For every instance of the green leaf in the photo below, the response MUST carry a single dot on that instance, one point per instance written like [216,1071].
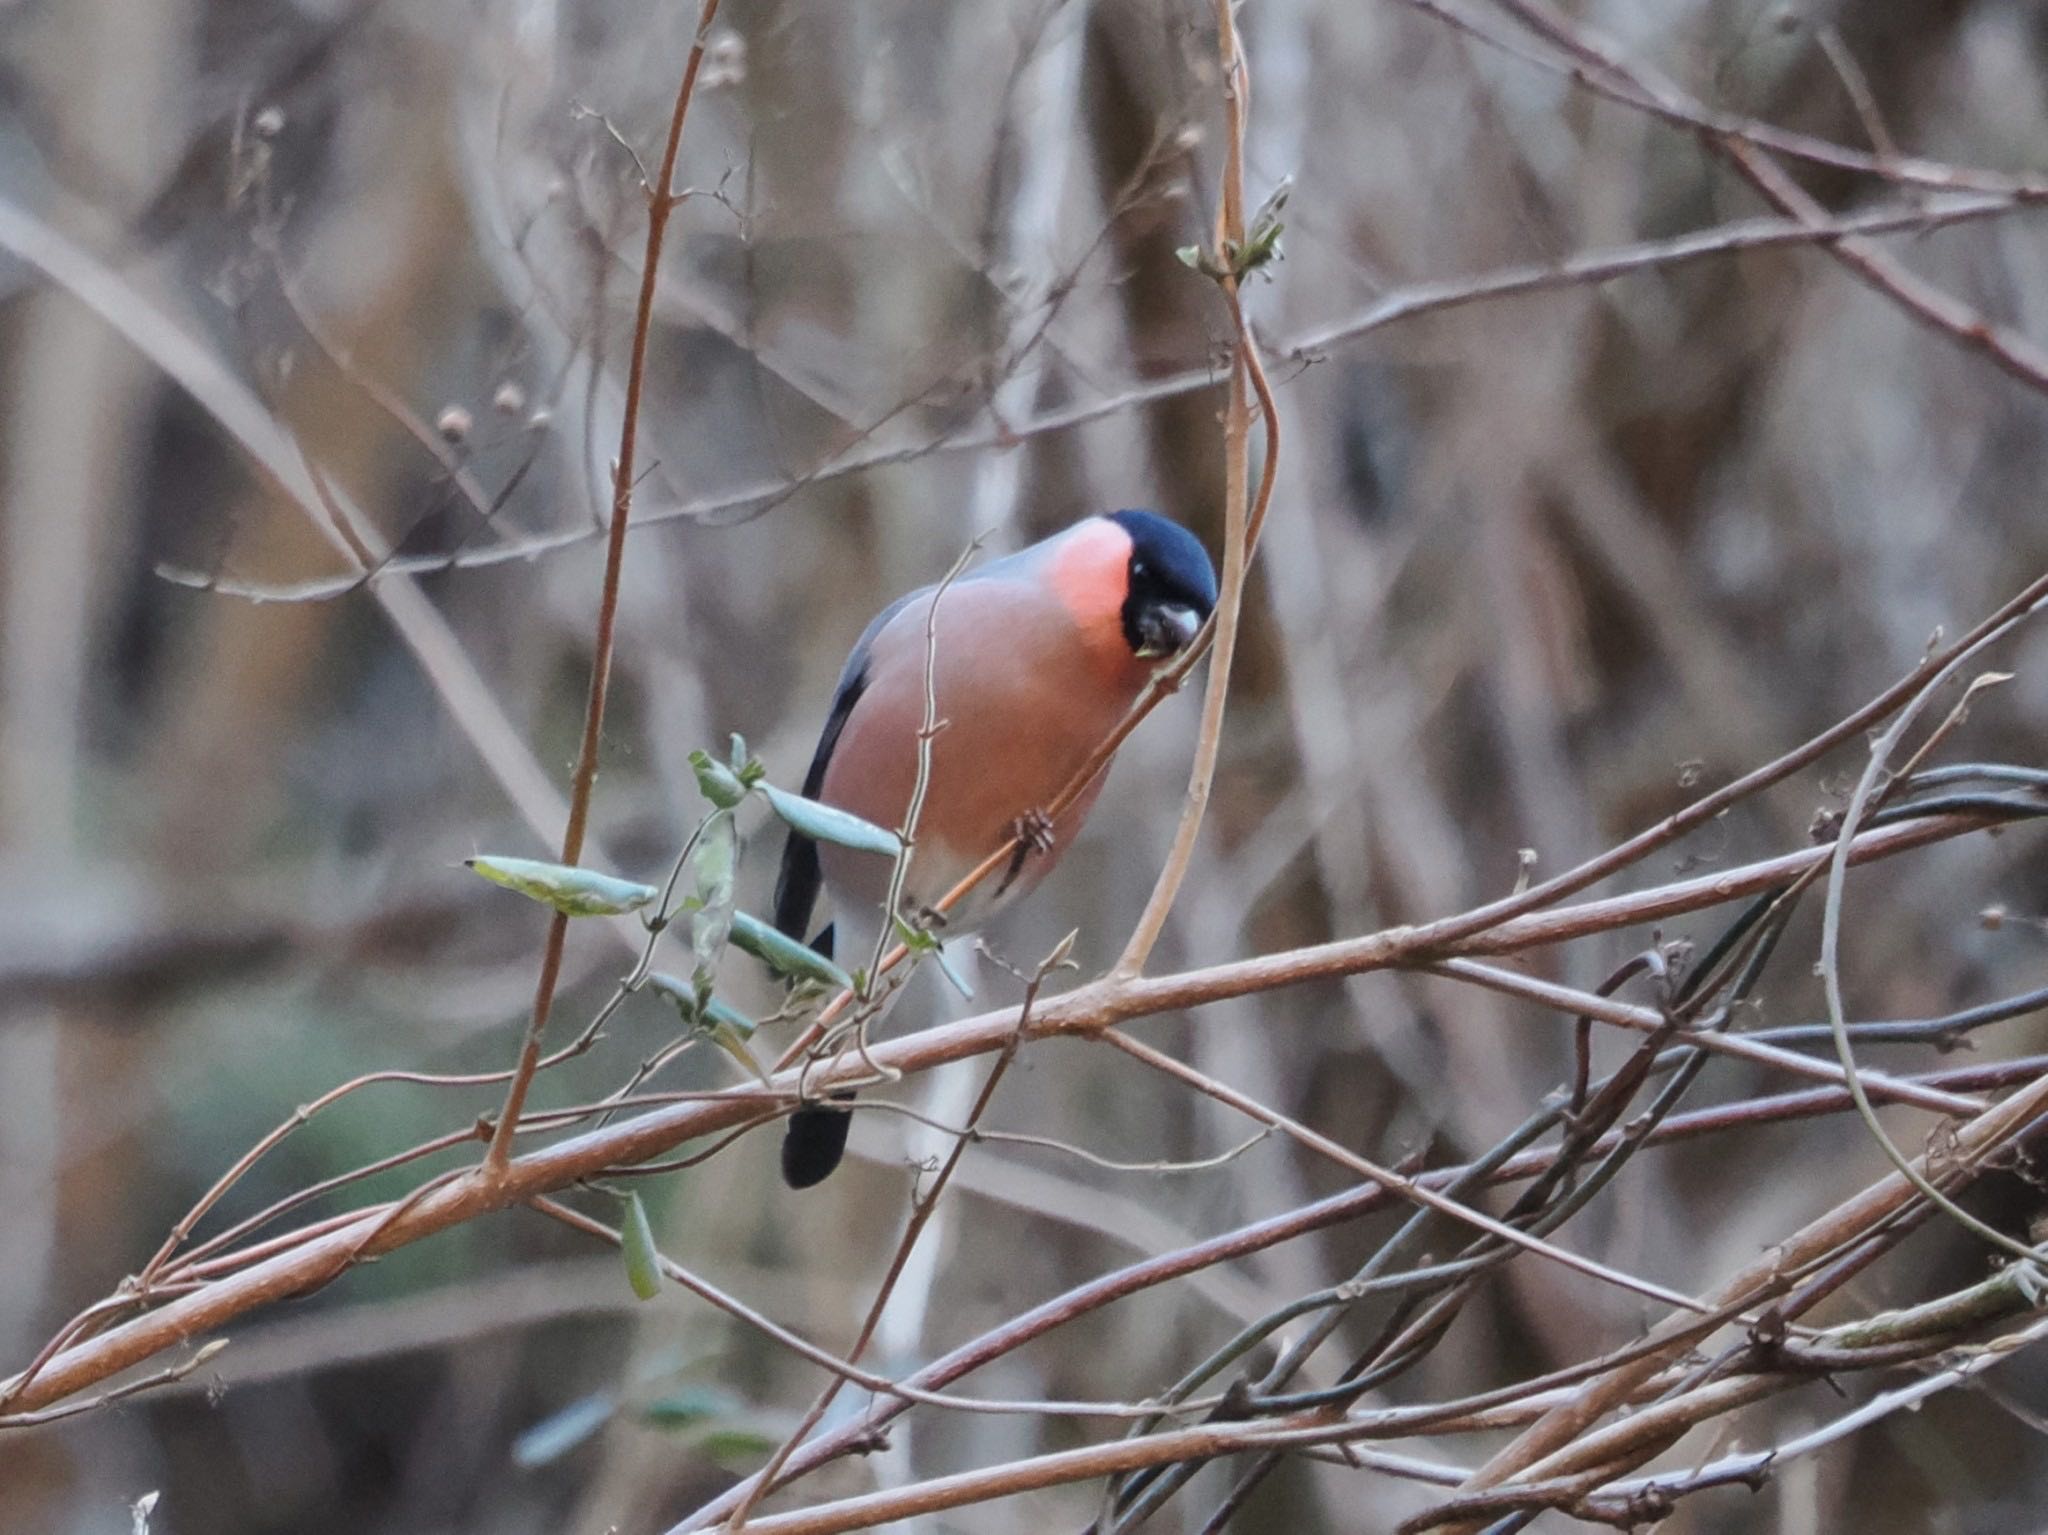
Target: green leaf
[686,995]
[1262,238]
[917,940]
[571,891]
[636,1241]
[959,981]
[560,1432]
[1062,955]
[1276,201]
[722,1024]
[750,768]
[717,782]
[822,823]
[1258,250]
[690,1406]
[717,852]
[730,1030]
[737,1444]
[1259,247]
[720,1014]
[784,955]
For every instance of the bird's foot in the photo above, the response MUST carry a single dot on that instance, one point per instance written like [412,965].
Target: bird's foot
[1034,830]
[1032,833]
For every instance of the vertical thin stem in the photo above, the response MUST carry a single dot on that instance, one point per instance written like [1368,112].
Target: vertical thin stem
[661,203]
[1240,521]
[922,1211]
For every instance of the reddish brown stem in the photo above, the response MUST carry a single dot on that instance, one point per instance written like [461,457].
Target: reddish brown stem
[661,203]
[1085,1011]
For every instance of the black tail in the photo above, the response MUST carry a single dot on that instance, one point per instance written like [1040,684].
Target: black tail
[815,1139]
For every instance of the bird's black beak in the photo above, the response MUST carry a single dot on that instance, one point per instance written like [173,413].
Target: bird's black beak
[1167,628]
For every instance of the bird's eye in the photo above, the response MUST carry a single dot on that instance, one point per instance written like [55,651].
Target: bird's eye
[1138,571]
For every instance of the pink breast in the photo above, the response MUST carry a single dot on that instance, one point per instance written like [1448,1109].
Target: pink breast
[1025,697]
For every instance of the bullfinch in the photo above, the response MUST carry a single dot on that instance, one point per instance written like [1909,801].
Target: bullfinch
[1035,658]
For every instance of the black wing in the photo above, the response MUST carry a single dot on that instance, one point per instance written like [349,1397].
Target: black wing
[796,887]
[815,1139]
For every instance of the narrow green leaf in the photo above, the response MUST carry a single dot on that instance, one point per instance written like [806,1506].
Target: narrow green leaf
[958,981]
[784,955]
[691,1405]
[721,1014]
[560,1432]
[719,1022]
[717,852]
[1275,204]
[571,891]
[636,1241]
[1262,236]
[1258,250]
[823,823]
[730,1031]
[677,990]
[717,782]
[917,940]
[733,1443]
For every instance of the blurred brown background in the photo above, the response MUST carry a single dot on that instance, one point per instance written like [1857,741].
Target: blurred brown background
[1536,568]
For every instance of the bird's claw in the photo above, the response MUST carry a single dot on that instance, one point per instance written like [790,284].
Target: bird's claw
[1034,830]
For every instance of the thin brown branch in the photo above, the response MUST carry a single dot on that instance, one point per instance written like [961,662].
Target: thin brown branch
[244,418]
[920,1216]
[1589,73]
[1645,1020]
[1543,1448]
[201,1357]
[1410,1189]
[1411,301]
[1594,267]
[661,203]
[1059,1469]
[2015,354]
[1240,521]
[1350,1205]
[1086,1010]
[844,1369]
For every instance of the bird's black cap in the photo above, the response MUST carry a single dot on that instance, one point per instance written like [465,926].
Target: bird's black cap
[1168,563]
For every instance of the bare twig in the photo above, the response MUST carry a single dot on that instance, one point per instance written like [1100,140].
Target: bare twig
[1409,302]
[921,1213]
[1240,522]
[1349,1205]
[661,203]
[1084,1011]
[843,1369]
